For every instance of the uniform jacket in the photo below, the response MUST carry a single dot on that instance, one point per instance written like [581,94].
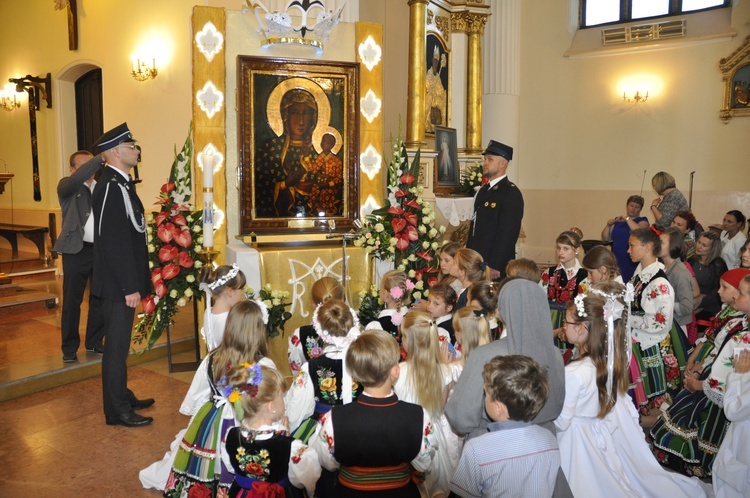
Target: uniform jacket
[120,251]
[497,223]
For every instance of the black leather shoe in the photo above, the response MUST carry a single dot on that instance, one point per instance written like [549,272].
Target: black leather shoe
[129,419]
[70,358]
[140,404]
[96,350]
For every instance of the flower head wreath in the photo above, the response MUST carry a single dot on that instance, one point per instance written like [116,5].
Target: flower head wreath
[209,289]
[612,310]
[341,344]
[234,393]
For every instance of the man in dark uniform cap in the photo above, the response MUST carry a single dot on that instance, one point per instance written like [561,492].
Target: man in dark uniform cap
[498,210]
[121,276]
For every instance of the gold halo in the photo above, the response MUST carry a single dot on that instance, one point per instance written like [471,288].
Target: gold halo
[273,111]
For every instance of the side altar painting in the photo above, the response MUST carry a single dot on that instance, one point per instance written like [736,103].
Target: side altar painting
[298,134]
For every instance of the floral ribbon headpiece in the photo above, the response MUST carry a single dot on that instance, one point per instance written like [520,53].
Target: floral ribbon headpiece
[234,393]
[612,311]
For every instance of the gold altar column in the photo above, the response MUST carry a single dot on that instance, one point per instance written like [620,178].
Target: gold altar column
[417,74]
[210,128]
[473,25]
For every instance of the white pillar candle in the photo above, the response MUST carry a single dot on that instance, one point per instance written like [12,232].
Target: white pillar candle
[208,219]
[208,171]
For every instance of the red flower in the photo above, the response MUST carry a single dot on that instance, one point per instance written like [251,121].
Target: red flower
[295,340]
[424,255]
[395,210]
[673,373]
[398,225]
[411,218]
[167,187]
[185,260]
[183,237]
[660,318]
[160,288]
[254,468]
[163,215]
[402,242]
[565,296]
[545,277]
[170,271]
[155,275]
[401,193]
[167,253]
[431,281]
[165,232]
[485,180]
[148,304]
[199,490]
[180,220]
[713,383]
[653,294]
[295,459]
[407,178]
[412,233]
[412,203]
[663,289]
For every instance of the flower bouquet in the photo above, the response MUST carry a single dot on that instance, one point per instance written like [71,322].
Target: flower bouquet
[174,240]
[472,178]
[276,301]
[404,229]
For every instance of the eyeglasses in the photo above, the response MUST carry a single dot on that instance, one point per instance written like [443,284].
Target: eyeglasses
[129,146]
[576,323]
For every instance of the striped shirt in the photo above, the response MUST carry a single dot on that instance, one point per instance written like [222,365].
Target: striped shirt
[515,459]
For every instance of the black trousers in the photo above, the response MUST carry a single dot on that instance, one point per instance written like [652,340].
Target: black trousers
[77,271]
[118,319]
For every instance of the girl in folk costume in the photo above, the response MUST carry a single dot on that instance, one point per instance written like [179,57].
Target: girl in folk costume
[393,292]
[688,435]
[197,466]
[468,267]
[483,295]
[380,444]
[563,282]
[651,320]
[225,285]
[731,470]
[425,380]
[304,342]
[602,447]
[440,305]
[267,462]
[323,381]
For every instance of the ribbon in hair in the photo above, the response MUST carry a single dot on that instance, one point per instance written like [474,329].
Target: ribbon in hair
[655,230]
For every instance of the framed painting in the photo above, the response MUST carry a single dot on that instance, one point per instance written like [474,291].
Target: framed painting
[298,135]
[447,171]
[736,75]
[436,84]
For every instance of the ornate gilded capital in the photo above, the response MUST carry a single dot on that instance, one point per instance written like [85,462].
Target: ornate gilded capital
[443,24]
[470,23]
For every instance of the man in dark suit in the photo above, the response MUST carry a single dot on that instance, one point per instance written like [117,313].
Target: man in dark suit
[121,275]
[498,211]
[76,244]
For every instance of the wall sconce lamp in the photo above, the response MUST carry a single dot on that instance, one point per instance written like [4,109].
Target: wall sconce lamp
[142,72]
[38,88]
[8,100]
[637,98]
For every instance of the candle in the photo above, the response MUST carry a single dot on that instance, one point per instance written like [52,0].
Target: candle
[208,219]
[208,171]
